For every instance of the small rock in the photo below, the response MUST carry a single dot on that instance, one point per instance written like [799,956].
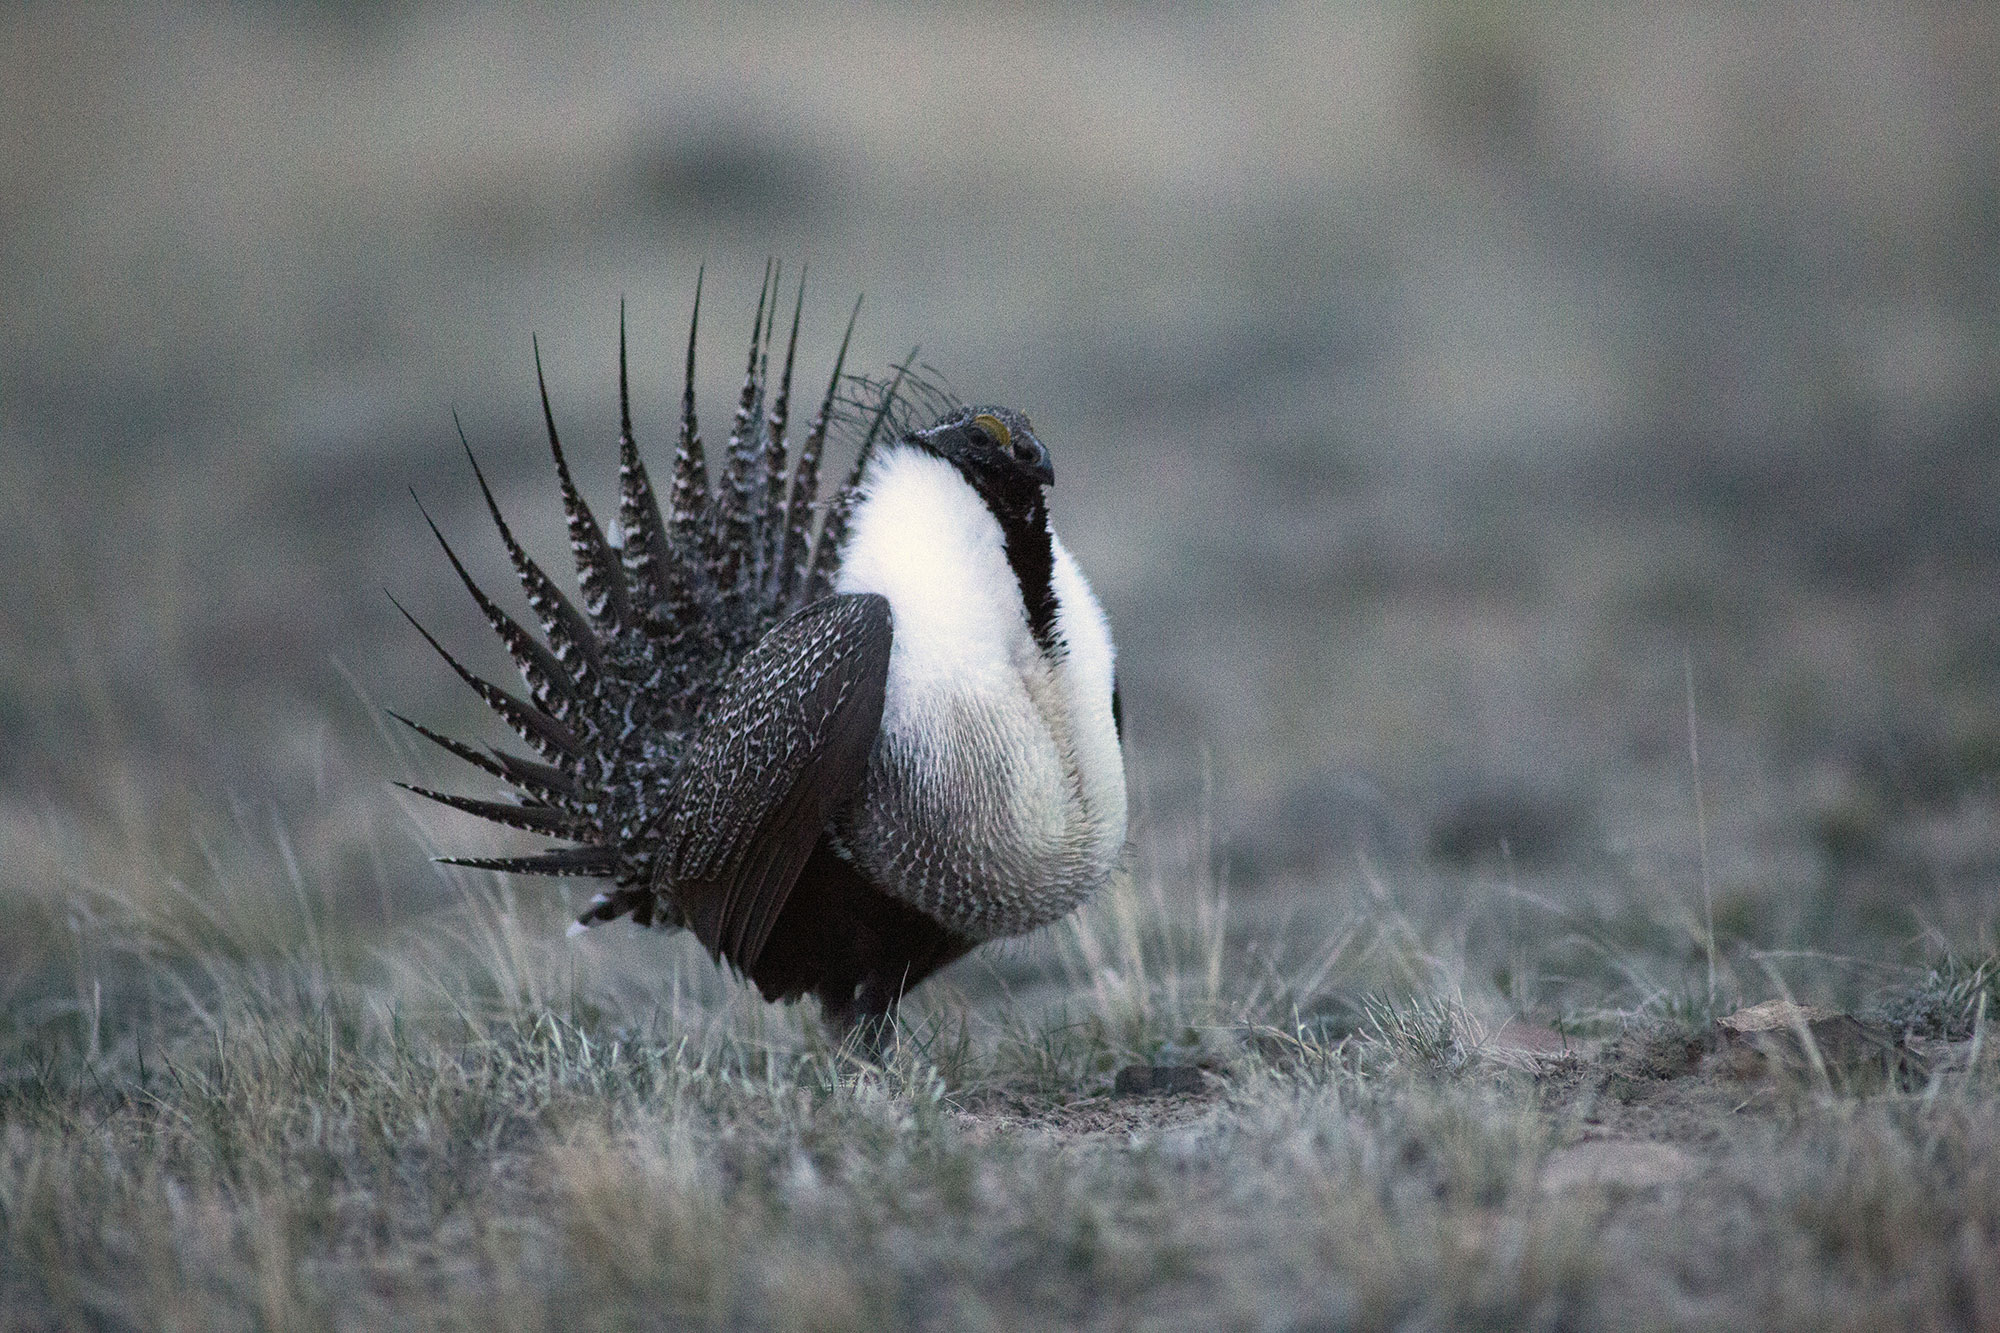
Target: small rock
[1781,1039]
[1156,1080]
[1518,1036]
[1771,1016]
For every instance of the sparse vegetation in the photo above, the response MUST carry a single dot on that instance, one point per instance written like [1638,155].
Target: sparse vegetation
[276,1122]
[1949,1002]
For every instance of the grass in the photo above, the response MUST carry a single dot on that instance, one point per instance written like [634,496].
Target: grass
[226,1105]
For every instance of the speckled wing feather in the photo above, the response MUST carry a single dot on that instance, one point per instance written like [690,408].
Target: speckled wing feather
[784,745]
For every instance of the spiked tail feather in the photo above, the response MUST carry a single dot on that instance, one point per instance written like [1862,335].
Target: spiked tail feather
[570,637]
[544,782]
[742,468]
[561,861]
[645,545]
[549,685]
[770,556]
[794,565]
[662,579]
[458,748]
[597,571]
[534,818]
[691,521]
[548,736]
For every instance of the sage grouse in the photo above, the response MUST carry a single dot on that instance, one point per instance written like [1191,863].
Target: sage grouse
[842,760]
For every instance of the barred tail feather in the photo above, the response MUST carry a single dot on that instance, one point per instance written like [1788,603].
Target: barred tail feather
[543,781]
[742,467]
[597,571]
[690,497]
[458,748]
[803,498]
[561,861]
[645,542]
[661,577]
[549,737]
[771,544]
[542,819]
[549,685]
[570,637]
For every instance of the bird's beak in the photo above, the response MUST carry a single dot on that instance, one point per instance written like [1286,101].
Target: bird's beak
[1042,470]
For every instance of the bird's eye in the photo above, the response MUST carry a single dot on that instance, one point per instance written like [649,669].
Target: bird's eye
[996,429]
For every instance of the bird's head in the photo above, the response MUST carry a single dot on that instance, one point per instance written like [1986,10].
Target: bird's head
[994,449]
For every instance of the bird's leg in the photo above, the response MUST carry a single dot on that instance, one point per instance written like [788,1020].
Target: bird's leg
[872,1035]
[867,1018]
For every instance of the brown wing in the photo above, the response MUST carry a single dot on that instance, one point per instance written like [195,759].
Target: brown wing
[784,745]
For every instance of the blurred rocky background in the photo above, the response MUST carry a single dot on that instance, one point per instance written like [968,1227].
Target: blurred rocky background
[1436,391]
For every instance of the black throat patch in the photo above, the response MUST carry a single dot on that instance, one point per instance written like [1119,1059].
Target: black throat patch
[1013,494]
[1031,554]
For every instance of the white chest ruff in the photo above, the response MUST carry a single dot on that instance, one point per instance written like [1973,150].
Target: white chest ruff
[995,795]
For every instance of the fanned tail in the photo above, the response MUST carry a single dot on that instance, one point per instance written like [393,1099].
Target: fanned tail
[669,600]
[533,818]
